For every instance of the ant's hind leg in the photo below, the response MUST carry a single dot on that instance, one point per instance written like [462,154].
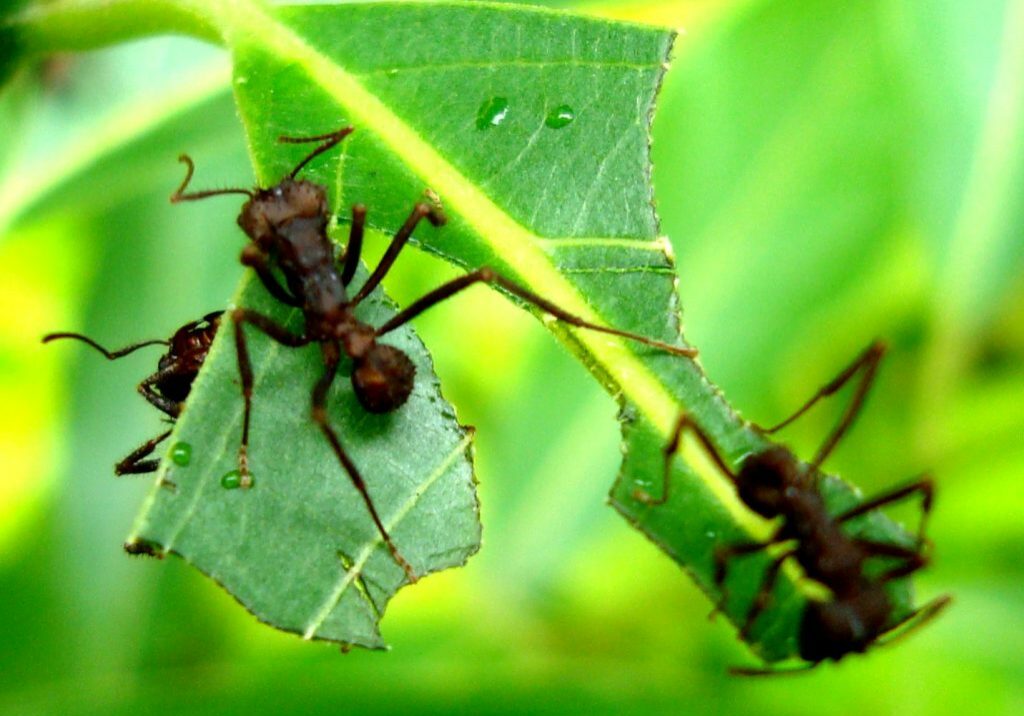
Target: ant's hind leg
[923,485]
[490,276]
[276,332]
[134,464]
[916,619]
[331,355]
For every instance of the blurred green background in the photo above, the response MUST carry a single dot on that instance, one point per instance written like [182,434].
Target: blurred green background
[828,172]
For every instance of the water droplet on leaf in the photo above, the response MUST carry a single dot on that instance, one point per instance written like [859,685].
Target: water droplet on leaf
[181,454]
[560,116]
[232,480]
[492,113]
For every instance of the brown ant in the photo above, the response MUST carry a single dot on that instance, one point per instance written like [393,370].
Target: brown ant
[775,484]
[169,386]
[287,224]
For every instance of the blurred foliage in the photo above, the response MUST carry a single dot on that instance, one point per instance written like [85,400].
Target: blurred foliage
[863,159]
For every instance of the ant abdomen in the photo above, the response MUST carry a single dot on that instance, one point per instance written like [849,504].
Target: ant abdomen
[383,378]
[832,629]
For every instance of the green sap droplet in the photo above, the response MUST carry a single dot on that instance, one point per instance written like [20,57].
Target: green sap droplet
[232,480]
[560,116]
[492,113]
[181,454]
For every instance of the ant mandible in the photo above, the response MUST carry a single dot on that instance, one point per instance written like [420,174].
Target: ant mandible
[287,224]
[776,485]
[167,388]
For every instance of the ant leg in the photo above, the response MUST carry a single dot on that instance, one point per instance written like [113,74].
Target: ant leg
[683,422]
[146,388]
[420,211]
[924,485]
[133,464]
[884,549]
[109,355]
[331,353]
[489,276]
[753,671]
[868,360]
[764,594]
[257,261]
[916,619]
[913,564]
[724,553]
[274,331]
[355,244]
[328,140]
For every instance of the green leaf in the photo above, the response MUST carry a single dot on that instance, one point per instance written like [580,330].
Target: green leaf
[574,221]
[299,549]
[457,100]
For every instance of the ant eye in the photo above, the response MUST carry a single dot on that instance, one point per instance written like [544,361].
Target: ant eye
[383,379]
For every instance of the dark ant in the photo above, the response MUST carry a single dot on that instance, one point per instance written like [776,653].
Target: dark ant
[775,484]
[169,386]
[287,224]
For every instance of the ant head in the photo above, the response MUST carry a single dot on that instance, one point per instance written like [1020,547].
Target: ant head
[763,478]
[191,342]
[383,378]
[263,216]
[832,629]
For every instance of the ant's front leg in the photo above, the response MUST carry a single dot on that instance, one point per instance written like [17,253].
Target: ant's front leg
[867,362]
[723,555]
[276,332]
[683,422]
[147,389]
[419,212]
[258,262]
[763,598]
[133,464]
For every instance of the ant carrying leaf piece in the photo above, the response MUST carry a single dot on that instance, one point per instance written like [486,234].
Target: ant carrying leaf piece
[287,224]
[776,485]
[167,388]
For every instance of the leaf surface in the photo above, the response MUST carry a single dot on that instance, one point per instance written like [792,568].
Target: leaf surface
[532,129]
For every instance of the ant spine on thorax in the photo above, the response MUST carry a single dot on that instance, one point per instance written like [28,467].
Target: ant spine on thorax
[776,485]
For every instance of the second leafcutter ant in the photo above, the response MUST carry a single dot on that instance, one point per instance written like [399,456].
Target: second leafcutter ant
[168,387]
[858,611]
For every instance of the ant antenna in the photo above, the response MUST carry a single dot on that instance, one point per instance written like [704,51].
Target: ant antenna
[328,140]
[110,355]
[180,195]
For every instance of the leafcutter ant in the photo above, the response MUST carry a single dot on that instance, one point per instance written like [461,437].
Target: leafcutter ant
[287,224]
[169,386]
[775,484]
